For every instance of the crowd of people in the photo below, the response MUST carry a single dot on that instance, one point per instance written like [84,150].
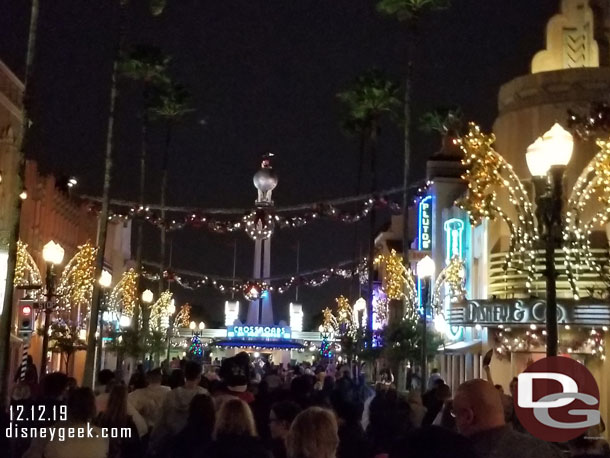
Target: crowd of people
[241,409]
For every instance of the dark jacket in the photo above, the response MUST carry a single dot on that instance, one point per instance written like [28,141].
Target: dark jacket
[504,442]
[237,447]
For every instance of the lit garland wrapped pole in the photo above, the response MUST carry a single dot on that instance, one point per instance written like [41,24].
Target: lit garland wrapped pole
[124,295]
[398,283]
[328,329]
[454,277]
[26,271]
[487,172]
[76,282]
[183,318]
[159,315]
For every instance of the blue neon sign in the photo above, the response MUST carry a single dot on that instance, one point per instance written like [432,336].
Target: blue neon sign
[424,224]
[264,332]
[454,232]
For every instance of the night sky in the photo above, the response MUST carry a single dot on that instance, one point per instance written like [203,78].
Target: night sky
[263,75]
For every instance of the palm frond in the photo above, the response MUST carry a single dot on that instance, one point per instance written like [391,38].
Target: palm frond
[407,10]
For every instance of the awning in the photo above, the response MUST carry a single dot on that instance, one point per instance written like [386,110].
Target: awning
[462,347]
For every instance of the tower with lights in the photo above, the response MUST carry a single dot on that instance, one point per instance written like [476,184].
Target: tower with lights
[260,311]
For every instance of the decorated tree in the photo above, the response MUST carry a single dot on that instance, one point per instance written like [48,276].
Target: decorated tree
[196,348]
[65,339]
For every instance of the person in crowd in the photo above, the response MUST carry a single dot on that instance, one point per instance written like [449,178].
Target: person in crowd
[137,379]
[235,433]
[418,411]
[433,377]
[281,417]
[31,375]
[273,379]
[148,401]
[433,442]
[116,416]
[81,412]
[353,442]
[196,436]
[105,378]
[434,401]
[313,434]
[261,409]
[479,415]
[107,381]
[174,364]
[445,417]
[175,408]
[389,420]
[72,383]
[176,379]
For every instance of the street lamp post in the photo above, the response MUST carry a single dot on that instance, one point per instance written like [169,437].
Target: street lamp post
[425,271]
[105,281]
[170,329]
[547,159]
[53,254]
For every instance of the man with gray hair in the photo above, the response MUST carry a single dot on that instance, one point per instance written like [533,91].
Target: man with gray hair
[479,415]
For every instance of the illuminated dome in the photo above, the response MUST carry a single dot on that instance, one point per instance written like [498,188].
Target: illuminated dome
[265,179]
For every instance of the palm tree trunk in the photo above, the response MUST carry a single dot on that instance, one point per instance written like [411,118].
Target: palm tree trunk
[89,375]
[371,260]
[6,321]
[168,139]
[140,223]
[407,148]
[361,150]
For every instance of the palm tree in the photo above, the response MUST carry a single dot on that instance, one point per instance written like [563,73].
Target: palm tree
[408,12]
[7,309]
[156,7]
[147,65]
[169,106]
[371,97]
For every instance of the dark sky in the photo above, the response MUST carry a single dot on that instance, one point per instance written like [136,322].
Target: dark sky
[263,75]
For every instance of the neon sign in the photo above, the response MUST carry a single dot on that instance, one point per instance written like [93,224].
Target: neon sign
[454,229]
[265,332]
[424,224]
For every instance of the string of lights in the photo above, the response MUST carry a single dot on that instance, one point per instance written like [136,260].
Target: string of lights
[281,284]
[76,282]
[26,271]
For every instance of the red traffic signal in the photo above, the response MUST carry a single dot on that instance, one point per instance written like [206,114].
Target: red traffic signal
[26,317]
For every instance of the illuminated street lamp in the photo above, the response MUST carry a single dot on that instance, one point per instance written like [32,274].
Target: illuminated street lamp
[547,159]
[425,272]
[105,281]
[201,326]
[192,325]
[53,255]
[147,296]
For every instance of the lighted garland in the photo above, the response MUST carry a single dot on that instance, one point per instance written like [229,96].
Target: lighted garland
[183,317]
[124,295]
[26,270]
[330,325]
[398,281]
[577,341]
[345,317]
[486,172]
[159,314]
[302,215]
[593,181]
[454,278]
[280,284]
[77,279]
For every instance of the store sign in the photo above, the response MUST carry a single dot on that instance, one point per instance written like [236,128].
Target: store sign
[424,224]
[528,311]
[259,332]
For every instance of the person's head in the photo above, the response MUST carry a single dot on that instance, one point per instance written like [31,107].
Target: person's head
[176,378]
[54,385]
[192,372]
[21,392]
[437,383]
[234,419]
[72,383]
[81,405]
[281,417]
[435,371]
[499,388]
[313,434]
[105,377]
[477,406]
[443,392]
[433,442]
[154,376]
[202,415]
[116,412]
